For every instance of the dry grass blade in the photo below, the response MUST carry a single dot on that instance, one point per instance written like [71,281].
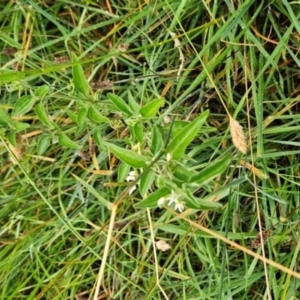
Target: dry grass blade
[102,85]
[238,136]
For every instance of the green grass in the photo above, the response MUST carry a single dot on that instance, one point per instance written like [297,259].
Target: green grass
[70,228]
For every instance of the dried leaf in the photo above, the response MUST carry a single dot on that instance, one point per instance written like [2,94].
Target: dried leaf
[102,85]
[256,243]
[61,59]
[162,245]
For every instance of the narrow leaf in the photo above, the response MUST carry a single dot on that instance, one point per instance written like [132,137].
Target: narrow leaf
[146,182]
[43,144]
[212,170]
[43,116]
[5,119]
[23,105]
[66,142]
[120,104]
[175,229]
[8,76]
[129,157]
[19,126]
[182,173]
[150,109]
[72,116]
[180,142]
[42,91]
[197,203]
[79,79]
[98,138]
[157,140]
[138,132]
[95,116]
[12,138]
[92,190]
[81,117]
[123,171]
[134,106]
[151,201]
[177,126]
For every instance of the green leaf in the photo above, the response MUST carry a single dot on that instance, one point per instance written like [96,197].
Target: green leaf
[182,173]
[81,117]
[79,79]
[98,139]
[5,119]
[19,126]
[12,138]
[146,182]
[95,116]
[123,171]
[7,76]
[92,190]
[150,109]
[23,105]
[151,201]
[43,144]
[157,141]
[66,142]
[42,91]
[72,116]
[134,106]
[138,132]
[81,129]
[120,104]
[197,203]
[43,116]
[180,142]
[175,229]
[129,157]
[224,191]
[212,170]
[177,126]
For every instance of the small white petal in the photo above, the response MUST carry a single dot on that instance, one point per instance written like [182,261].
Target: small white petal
[131,176]
[161,201]
[173,198]
[171,201]
[179,206]
[128,178]
[132,190]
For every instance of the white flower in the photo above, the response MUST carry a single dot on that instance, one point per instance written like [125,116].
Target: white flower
[173,198]
[131,177]
[179,206]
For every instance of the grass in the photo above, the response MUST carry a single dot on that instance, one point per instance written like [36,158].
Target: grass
[93,91]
